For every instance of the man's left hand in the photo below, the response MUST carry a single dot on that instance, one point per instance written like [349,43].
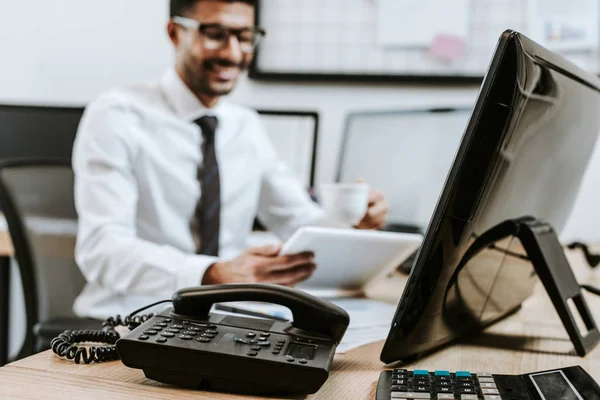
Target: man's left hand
[376,213]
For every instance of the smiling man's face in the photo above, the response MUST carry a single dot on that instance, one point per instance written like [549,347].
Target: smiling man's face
[208,71]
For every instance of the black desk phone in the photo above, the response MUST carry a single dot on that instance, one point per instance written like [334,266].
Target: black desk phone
[187,346]
[572,383]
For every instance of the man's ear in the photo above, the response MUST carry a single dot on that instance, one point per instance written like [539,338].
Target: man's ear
[173,32]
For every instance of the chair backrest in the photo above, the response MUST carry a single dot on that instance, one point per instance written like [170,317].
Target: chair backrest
[38,204]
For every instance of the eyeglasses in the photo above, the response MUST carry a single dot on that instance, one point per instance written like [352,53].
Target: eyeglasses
[216,36]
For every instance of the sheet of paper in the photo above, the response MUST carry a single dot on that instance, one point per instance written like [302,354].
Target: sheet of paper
[415,23]
[370,320]
[565,25]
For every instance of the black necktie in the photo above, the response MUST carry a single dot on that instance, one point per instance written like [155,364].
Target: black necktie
[209,207]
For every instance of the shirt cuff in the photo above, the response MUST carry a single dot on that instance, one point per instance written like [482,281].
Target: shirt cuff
[192,272]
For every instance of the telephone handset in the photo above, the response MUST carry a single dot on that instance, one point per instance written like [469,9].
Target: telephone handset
[187,345]
[309,313]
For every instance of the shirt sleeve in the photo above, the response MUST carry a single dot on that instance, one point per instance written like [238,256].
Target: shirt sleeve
[284,205]
[108,251]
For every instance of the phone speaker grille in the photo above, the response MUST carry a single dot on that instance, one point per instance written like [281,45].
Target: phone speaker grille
[247,323]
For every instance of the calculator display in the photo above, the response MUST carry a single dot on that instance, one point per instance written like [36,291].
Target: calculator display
[554,385]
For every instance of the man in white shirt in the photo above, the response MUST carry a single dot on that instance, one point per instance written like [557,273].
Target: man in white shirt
[169,176]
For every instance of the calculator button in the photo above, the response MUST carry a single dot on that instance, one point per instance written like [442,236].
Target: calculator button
[468,390]
[421,383]
[442,379]
[445,390]
[420,372]
[408,395]
[468,397]
[489,391]
[422,389]
[442,384]
[486,380]
[487,385]
[484,374]
[399,388]
[400,371]
[441,373]
[464,384]
[444,396]
[492,397]
[463,374]
[399,382]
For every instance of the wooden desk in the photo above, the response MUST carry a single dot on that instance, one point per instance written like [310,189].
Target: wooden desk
[531,340]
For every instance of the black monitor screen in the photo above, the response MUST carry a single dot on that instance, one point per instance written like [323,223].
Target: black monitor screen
[37,132]
[524,153]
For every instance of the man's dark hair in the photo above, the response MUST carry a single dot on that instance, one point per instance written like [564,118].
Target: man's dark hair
[181,7]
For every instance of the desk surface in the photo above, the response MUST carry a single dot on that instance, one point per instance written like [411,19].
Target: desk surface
[6,247]
[531,340]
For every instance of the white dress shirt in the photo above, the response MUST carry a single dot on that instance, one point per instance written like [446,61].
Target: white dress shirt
[136,157]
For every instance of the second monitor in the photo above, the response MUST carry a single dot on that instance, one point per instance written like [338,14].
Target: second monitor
[524,153]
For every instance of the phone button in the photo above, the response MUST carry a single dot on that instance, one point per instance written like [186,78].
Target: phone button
[144,337]
[275,352]
[161,340]
[167,320]
[265,334]
[203,340]
[185,337]
[302,361]
[252,353]
[167,334]
[289,359]
[250,334]
[256,348]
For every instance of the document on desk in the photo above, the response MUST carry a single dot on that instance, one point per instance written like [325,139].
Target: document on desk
[415,23]
[370,320]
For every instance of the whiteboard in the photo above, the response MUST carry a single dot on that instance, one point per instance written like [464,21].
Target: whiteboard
[404,154]
[337,39]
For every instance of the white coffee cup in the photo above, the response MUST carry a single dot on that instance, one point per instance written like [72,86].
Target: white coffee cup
[347,203]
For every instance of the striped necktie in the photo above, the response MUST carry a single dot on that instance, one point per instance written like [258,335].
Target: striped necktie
[208,209]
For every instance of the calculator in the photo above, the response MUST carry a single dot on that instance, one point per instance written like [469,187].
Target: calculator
[572,383]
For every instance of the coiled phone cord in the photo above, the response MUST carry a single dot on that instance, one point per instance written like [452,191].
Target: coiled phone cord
[65,344]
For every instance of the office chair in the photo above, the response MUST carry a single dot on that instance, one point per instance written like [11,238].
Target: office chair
[37,199]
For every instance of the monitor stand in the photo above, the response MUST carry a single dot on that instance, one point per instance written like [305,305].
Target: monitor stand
[545,252]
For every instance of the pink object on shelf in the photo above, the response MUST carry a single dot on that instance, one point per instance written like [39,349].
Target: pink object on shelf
[447,47]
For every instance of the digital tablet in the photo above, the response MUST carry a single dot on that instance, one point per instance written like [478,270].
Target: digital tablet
[348,259]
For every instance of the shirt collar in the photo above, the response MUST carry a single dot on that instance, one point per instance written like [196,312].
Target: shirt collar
[182,100]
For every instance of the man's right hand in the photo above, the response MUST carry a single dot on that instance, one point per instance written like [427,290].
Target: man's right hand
[262,265]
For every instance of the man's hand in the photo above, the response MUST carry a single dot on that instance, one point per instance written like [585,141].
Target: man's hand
[262,265]
[376,213]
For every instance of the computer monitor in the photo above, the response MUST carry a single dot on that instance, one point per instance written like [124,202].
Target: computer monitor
[28,131]
[524,153]
[406,155]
